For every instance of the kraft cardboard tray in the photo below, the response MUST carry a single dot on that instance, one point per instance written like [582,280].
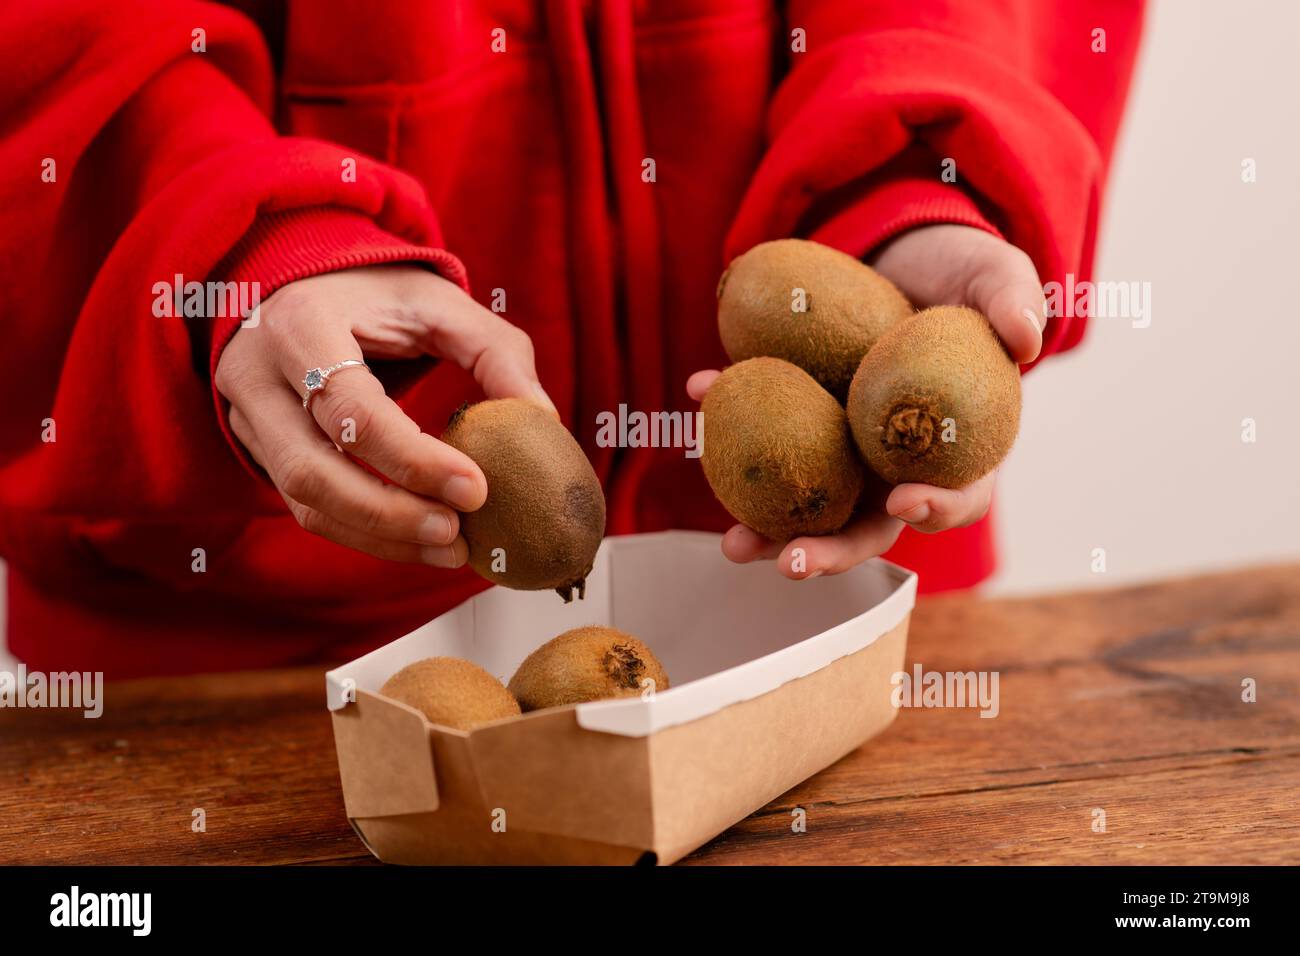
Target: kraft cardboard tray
[772,680]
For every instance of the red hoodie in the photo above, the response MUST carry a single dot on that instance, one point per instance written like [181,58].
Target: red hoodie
[502,142]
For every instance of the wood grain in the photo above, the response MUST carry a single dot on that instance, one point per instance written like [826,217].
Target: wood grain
[1127,701]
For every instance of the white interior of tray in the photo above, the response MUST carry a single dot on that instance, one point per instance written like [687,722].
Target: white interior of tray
[724,632]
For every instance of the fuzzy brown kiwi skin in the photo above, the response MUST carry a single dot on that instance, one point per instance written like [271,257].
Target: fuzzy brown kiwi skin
[848,307]
[544,507]
[586,663]
[451,692]
[941,373]
[778,452]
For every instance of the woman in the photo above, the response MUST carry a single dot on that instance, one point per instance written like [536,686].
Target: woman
[169,505]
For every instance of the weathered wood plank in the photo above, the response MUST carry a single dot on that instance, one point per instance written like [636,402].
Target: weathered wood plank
[1129,701]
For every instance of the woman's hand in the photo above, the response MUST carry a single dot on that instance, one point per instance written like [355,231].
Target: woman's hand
[932,265]
[385,312]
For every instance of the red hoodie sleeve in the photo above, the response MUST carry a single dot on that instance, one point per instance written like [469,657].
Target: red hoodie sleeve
[136,147]
[1022,96]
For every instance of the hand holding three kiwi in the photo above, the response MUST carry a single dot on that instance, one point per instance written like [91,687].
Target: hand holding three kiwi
[932,396]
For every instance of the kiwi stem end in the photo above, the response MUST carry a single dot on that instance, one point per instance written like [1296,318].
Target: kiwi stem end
[566,590]
[911,428]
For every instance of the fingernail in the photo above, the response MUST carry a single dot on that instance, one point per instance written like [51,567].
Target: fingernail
[815,574]
[436,529]
[444,557]
[917,514]
[1034,319]
[545,399]
[460,493]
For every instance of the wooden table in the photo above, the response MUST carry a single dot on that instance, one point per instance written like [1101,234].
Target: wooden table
[1126,701]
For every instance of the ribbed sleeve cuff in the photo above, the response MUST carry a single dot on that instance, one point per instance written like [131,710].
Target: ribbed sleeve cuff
[895,206]
[283,247]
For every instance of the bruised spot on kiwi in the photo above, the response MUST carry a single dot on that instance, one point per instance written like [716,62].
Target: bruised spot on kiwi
[584,507]
[777,450]
[586,663]
[812,505]
[942,367]
[545,511]
[584,504]
[451,692]
[846,307]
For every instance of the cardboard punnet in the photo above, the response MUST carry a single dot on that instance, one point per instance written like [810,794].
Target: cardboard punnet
[772,680]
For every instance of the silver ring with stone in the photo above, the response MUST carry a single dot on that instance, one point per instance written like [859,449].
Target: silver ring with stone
[316,378]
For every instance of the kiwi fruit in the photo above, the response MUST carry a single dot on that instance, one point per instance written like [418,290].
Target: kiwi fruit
[452,692]
[544,516]
[936,400]
[777,450]
[846,307]
[586,663]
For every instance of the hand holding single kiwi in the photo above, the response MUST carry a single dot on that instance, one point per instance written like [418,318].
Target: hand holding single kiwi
[544,517]
[935,407]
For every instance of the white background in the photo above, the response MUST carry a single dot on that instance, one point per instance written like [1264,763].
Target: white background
[1132,442]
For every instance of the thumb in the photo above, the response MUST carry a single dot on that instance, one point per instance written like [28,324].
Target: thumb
[1004,286]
